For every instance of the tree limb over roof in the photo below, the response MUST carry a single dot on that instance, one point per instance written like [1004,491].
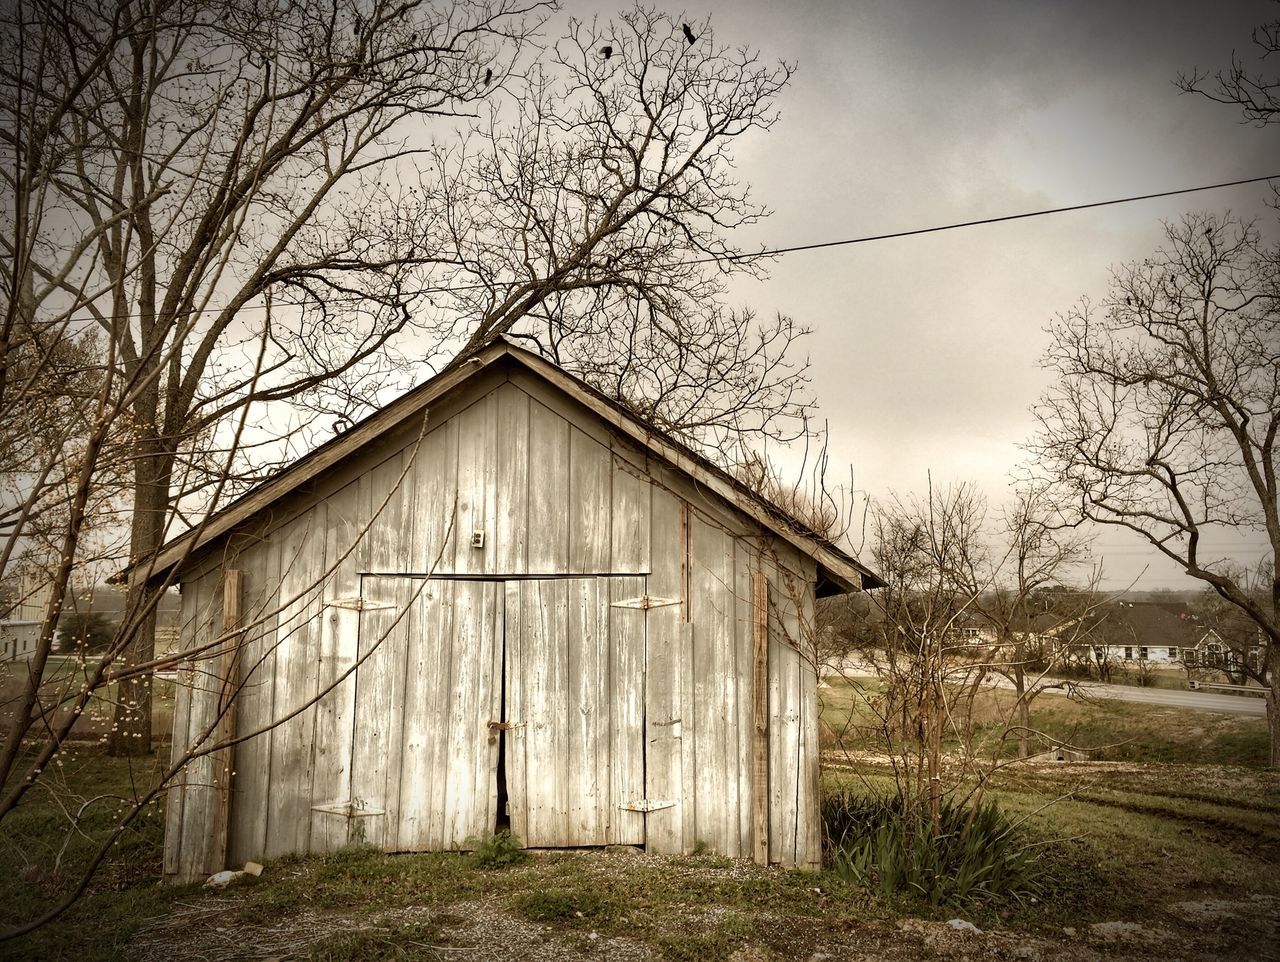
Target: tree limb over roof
[837,570]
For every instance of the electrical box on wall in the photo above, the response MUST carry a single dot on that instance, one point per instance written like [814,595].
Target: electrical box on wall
[477,539]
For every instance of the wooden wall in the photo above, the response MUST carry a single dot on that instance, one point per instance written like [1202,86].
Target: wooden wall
[553,494]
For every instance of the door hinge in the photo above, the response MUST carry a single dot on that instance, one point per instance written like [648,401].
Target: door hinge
[646,805]
[356,809]
[497,726]
[645,602]
[358,604]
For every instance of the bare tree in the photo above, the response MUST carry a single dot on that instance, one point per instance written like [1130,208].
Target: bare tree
[1034,618]
[240,206]
[171,165]
[927,551]
[243,200]
[1165,417]
[591,221]
[1241,662]
[973,621]
[1243,85]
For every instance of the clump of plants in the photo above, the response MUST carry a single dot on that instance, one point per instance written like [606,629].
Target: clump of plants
[567,905]
[972,853]
[496,851]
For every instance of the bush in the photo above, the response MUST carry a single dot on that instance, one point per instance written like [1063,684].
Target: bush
[875,842]
[87,632]
[496,851]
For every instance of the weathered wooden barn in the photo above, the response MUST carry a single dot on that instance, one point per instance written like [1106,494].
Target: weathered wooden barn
[502,600]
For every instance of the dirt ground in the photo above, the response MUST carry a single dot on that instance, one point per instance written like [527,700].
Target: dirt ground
[213,927]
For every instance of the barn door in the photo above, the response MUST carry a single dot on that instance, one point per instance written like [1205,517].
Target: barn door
[575,711]
[424,759]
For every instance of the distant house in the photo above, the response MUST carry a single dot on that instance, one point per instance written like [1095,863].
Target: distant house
[21,616]
[1214,652]
[1040,628]
[18,638]
[1157,632]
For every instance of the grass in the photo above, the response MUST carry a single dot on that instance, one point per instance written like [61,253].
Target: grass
[1120,731]
[499,850]
[65,674]
[1121,840]
[1109,730]
[976,855]
[42,854]
[399,942]
[572,906]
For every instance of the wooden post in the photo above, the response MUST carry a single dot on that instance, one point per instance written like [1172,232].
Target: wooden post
[227,667]
[686,604]
[760,720]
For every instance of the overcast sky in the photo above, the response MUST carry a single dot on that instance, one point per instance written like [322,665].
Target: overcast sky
[910,114]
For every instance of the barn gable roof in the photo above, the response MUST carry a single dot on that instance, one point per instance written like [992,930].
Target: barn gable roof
[837,570]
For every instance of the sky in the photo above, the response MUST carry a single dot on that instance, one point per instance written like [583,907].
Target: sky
[906,115]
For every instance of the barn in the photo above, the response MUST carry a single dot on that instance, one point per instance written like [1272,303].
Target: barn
[502,601]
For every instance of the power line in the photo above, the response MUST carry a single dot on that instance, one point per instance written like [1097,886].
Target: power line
[866,239]
[992,220]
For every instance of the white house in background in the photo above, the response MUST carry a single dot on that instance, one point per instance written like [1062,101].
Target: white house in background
[20,624]
[1167,634]
[1145,631]
[17,638]
[1211,651]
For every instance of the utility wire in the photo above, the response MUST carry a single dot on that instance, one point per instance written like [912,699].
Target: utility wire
[988,220]
[867,239]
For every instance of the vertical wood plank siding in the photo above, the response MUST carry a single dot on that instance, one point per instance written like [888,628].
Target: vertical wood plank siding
[252,777]
[664,708]
[683,702]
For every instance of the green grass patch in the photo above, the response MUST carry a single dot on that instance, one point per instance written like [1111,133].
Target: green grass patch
[1127,732]
[47,843]
[500,850]
[571,906]
[1117,841]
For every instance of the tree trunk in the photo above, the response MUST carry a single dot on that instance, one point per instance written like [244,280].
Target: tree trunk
[934,717]
[1272,656]
[1024,709]
[131,728]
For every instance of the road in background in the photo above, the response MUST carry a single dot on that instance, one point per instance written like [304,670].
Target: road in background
[1169,698]
[1199,700]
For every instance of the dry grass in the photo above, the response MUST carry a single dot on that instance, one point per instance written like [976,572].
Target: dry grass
[1108,729]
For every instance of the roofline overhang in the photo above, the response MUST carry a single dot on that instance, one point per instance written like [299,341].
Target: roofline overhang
[836,569]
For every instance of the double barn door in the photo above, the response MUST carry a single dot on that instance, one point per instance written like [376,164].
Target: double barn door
[475,696]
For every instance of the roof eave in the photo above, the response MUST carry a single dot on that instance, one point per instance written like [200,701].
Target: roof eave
[835,568]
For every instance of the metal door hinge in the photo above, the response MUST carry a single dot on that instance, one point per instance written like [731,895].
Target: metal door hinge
[645,602]
[357,809]
[497,726]
[358,604]
[646,805]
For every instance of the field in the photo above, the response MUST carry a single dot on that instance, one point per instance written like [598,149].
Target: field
[1149,860]
[1108,730]
[64,675]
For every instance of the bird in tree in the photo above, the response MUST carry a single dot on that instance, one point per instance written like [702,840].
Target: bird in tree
[606,51]
[688,34]
[488,76]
